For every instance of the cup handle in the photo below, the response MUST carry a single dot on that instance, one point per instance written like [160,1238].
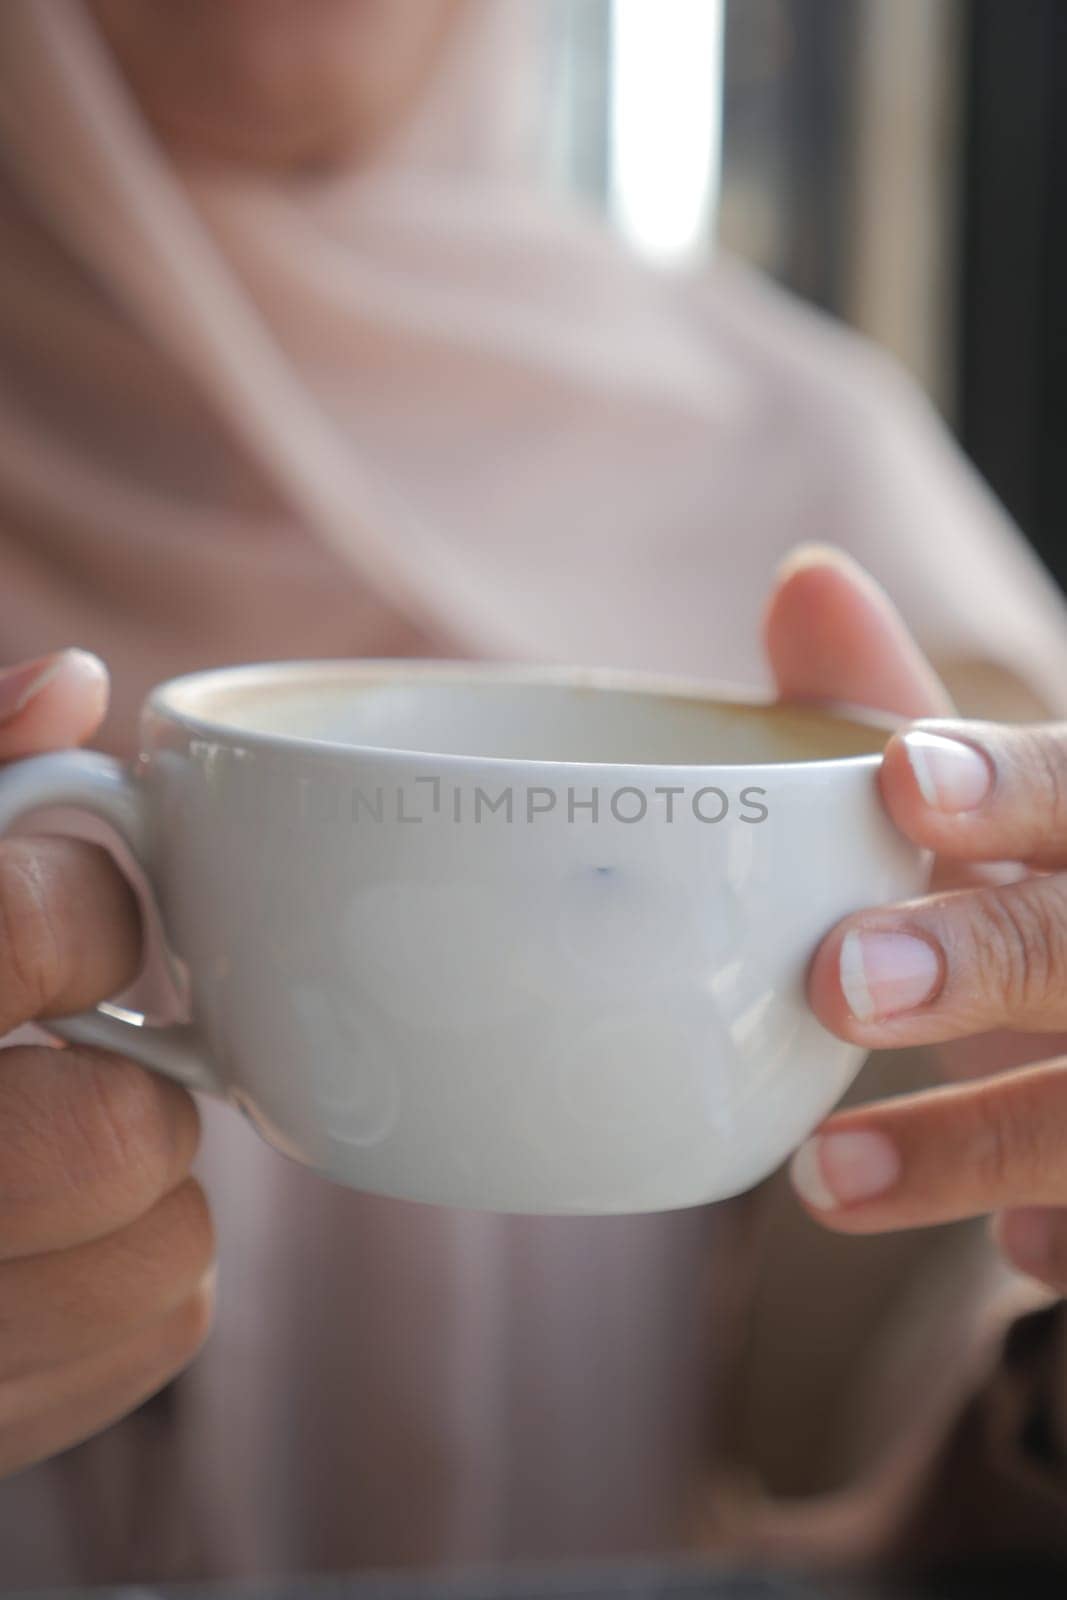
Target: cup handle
[107,789]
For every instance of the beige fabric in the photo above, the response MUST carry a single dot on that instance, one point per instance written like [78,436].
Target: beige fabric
[426,410]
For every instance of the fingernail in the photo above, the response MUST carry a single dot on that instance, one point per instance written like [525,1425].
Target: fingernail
[19,685]
[811,554]
[1026,1238]
[951,775]
[835,1169]
[884,973]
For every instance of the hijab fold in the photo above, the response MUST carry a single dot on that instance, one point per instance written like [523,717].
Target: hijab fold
[433,392]
[209,265]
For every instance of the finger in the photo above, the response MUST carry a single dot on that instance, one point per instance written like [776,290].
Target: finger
[72,1303]
[832,633]
[51,703]
[947,966]
[54,1409]
[88,1143]
[1034,1240]
[984,1054]
[941,1155]
[981,791]
[69,928]
[950,874]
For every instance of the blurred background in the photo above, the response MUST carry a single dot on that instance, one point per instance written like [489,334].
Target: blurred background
[896,162]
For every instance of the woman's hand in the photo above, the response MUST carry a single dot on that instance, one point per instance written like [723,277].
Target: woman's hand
[949,965]
[105,1242]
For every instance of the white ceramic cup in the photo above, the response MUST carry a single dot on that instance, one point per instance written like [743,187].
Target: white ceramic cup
[507,938]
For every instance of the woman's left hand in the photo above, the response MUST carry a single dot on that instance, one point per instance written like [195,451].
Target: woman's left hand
[951,964]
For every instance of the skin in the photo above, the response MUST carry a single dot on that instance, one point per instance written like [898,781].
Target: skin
[106,1246]
[277,84]
[106,1243]
[996,1146]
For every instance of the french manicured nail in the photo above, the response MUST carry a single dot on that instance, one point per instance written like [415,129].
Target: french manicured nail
[19,685]
[882,973]
[951,775]
[840,1169]
[811,554]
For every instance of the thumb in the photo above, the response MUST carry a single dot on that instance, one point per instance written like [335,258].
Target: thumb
[832,633]
[51,702]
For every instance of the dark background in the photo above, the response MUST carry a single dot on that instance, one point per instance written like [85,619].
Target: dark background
[1012,333]
[793,77]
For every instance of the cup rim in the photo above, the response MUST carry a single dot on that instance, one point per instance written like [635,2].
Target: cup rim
[164,701]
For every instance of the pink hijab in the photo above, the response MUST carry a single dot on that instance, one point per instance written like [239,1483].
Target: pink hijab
[425,409]
[472,402]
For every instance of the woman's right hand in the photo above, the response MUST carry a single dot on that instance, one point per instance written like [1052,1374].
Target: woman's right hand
[106,1243]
